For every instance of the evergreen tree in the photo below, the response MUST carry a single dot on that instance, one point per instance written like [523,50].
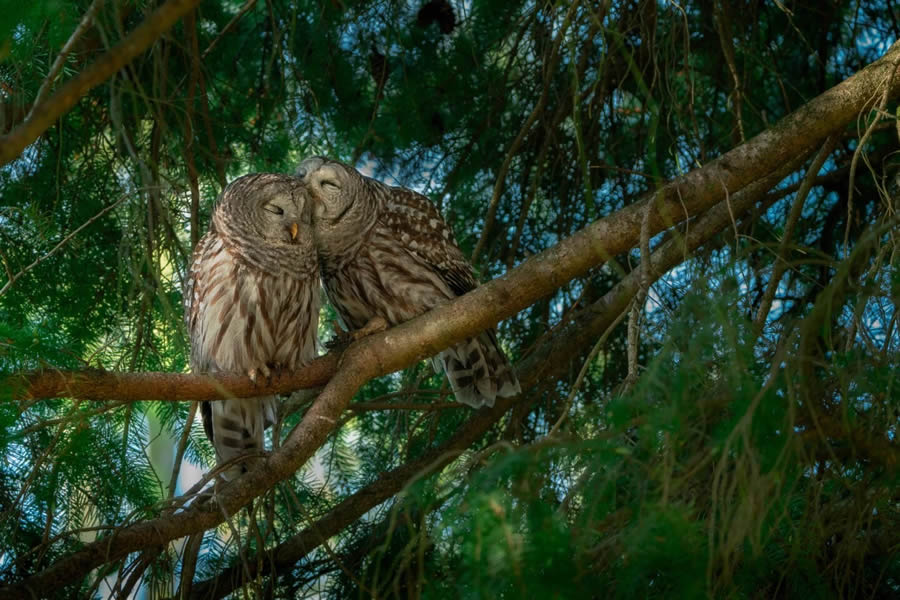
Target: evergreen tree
[696,206]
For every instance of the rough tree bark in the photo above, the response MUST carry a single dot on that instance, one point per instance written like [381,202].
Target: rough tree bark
[537,277]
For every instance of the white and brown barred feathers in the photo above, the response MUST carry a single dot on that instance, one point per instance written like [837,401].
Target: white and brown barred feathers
[252,301]
[386,251]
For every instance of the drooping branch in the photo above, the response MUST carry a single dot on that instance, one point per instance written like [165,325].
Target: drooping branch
[537,277]
[86,21]
[43,115]
[780,264]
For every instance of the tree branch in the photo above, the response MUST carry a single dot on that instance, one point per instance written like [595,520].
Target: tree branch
[42,116]
[430,333]
[86,21]
[12,278]
[349,510]
[780,263]
[172,387]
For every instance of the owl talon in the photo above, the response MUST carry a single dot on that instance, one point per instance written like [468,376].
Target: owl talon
[263,370]
[375,325]
[343,338]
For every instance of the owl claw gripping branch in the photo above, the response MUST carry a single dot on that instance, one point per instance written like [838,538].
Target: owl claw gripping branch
[386,252]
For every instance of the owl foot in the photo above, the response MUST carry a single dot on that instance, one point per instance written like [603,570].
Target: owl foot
[343,338]
[253,374]
[375,325]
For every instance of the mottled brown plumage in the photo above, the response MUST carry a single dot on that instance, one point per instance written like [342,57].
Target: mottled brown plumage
[251,301]
[386,252]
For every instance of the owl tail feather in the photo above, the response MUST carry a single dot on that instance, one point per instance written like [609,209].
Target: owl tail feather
[479,371]
[235,427]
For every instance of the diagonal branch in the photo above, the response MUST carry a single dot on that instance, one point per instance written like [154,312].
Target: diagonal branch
[12,278]
[349,510]
[537,277]
[42,116]
[780,263]
[86,21]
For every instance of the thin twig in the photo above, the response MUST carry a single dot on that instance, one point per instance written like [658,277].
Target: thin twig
[860,147]
[366,406]
[584,369]
[182,445]
[723,27]
[634,318]
[780,263]
[62,243]
[520,138]
[246,7]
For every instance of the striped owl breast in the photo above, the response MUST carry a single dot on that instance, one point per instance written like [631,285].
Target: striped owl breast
[249,319]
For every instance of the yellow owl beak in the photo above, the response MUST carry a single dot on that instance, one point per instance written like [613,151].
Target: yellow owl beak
[294,229]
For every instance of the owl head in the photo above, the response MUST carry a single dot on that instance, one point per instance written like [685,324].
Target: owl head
[344,203]
[264,218]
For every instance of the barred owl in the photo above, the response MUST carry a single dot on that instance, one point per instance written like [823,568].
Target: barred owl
[251,301]
[386,252]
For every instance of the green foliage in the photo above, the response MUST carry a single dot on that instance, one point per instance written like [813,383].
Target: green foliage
[740,459]
[693,484]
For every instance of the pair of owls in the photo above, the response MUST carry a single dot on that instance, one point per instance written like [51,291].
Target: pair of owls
[252,294]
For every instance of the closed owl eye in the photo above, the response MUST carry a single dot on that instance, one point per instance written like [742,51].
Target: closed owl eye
[275,210]
[330,185]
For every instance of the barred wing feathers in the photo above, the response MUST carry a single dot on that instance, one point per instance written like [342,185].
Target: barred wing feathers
[477,368]
[416,222]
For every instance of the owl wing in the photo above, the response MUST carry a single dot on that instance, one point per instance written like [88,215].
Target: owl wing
[193,286]
[194,296]
[415,221]
[477,368]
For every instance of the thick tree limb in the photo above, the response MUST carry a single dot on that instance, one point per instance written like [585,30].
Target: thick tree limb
[537,277]
[588,323]
[42,116]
